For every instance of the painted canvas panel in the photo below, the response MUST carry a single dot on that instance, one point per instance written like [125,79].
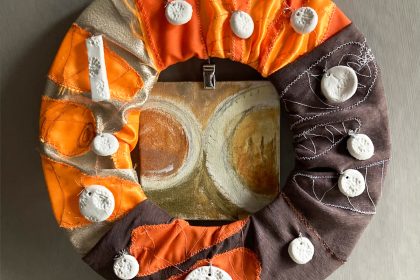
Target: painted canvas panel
[210,154]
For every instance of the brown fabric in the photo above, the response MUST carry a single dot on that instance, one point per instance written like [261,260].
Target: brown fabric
[267,233]
[366,111]
[310,203]
[101,257]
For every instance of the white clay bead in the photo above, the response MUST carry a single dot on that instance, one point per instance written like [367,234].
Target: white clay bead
[105,144]
[178,12]
[304,20]
[96,203]
[301,250]
[208,273]
[339,84]
[242,24]
[126,267]
[351,183]
[360,146]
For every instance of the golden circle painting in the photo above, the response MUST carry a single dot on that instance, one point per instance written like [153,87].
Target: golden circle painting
[205,147]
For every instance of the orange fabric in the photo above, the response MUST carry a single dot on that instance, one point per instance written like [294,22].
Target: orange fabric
[273,44]
[67,126]
[65,183]
[240,263]
[70,67]
[168,43]
[283,45]
[159,246]
[128,138]
[337,22]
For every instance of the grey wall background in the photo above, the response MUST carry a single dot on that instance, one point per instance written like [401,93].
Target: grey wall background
[32,246]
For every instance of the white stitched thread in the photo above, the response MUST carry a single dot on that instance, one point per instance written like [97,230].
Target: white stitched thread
[286,89]
[352,208]
[313,65]
[305,105]
[367,190]
[316,196]
[328,123]
[342,109]
[308,149]
[382,178]
[327,128]
[373,164]
[313,176]
[333,144]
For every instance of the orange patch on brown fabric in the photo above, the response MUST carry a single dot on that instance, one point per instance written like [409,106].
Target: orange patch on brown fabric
[160,246]
[240,263]
[70,67]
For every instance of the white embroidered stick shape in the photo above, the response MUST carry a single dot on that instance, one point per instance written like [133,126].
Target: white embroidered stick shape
[97,70]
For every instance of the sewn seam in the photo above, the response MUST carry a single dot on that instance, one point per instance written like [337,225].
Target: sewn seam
[134,239]
[305,222]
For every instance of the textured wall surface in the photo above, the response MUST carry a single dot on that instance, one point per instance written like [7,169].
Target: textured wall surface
[33,247]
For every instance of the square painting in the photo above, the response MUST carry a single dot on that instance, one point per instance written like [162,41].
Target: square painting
[210,154]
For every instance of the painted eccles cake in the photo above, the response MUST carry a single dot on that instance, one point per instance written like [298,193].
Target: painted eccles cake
[329,85]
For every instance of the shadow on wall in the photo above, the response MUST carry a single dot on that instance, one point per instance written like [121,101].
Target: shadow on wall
[28,228]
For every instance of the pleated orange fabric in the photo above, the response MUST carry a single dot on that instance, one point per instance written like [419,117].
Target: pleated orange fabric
[273,44]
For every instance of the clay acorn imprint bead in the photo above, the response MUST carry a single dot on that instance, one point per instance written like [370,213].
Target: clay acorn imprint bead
[339,84]
[301,250]
[96,203]
[351,183]
[126,267]
[208,273]
[242,24]
[105,144]
[304,20]
[178,12]
[360,146]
